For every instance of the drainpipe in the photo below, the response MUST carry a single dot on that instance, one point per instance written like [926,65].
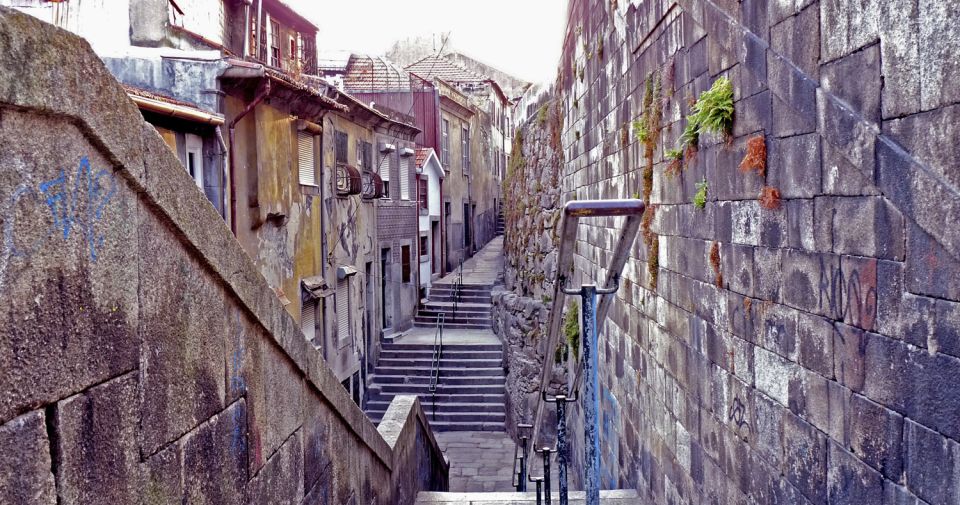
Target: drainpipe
[256,50]
[246,27]
[233,164]
[223,168]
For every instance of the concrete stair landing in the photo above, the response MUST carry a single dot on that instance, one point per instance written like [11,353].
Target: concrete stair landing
[612,497]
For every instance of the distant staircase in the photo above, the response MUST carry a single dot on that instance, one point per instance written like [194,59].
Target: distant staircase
[469,395]
[500,223]
[473,307]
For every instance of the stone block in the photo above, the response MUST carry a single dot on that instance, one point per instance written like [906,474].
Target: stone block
[810,397]
[823,213]
[854,138]
[778,11]
[859,291]
[850,480]
[768,270]
[97,444]
[183,331]
[930,270]
[847,25]
[753,114]
[162,476]
[863,93]
[25,477]
[895,494]
[900,57]
[800,224]
[849,349]
[773,375]
[795,97]
[875,435]
[215,458]
[929,138]
[279,481]
[939,44]
[947,336]
[737,268]
[768,430]
[793,166]
[68,219]
[816,335]
[726,182]
[805,458]
[868,226]
[776,330]
[932,464]
[813,282]
[840,177]
[797,38]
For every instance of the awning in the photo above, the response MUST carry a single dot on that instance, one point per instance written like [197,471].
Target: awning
[346,271]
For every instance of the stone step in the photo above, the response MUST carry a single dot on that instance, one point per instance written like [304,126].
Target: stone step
[465,298]
[427,354]
[450,417]
[455,326]
[483,319]
[399,346]
[445,371]
[380,406]
[422,389]
[453,380]
[607,497]
[435,309]
[445,362]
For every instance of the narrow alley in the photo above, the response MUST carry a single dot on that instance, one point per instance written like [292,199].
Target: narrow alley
[625,252]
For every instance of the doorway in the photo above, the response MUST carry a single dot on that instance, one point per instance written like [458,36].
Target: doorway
[385,289]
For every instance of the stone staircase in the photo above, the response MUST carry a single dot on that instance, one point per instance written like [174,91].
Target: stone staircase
[611,497]
[473,309]
[469,395]
[500,223]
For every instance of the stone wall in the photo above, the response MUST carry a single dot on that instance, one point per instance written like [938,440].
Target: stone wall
[143,358]
[788,349]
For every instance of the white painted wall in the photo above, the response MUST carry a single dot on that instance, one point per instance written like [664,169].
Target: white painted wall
[433,172]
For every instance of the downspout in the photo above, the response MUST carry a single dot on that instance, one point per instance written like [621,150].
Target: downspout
[246,27]
[233,165]
[223,167]
[256,50]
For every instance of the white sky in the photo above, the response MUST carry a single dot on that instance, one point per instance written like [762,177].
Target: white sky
[521,37]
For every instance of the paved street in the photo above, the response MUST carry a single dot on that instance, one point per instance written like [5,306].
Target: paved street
[482,461]
[483,268]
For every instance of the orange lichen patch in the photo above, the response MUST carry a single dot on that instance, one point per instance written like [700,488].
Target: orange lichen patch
[715,263]
[770,198]
[646,222]
[690,154]
[675,167]
[747,303]
[756,156]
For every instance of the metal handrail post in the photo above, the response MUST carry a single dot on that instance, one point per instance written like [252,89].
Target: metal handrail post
[591,396]
[562,448]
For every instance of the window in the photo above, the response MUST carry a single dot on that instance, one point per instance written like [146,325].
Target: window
[274,44]
[307,159]
[364,155]
[340,146]
[422,194]
[293,56]
[405,263]
[308,318]
[466,224]
[465,149]
[445,146]
[384,167]
[343,310]
[194,160]
[424,248]
[405,177]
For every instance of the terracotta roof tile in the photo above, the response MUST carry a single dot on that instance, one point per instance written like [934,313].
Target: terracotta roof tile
[371,74]
[439,67]
[422,154]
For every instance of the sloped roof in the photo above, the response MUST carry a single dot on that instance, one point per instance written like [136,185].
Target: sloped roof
[374,74]
[439,67]
[422,154]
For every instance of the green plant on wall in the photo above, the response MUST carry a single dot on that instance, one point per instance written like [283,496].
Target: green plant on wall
[640,130]
[714,109]
[571,328]
[675,165]
[542,115]
[700,198]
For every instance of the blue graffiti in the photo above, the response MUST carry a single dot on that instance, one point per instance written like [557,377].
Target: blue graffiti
[610,426]
[77,209]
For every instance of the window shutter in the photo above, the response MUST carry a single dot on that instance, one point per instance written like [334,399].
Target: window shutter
[405,178]
[308,319]
[307,164]
[343,309]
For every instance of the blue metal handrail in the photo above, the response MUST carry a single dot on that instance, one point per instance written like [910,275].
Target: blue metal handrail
[591,312]
[435,364]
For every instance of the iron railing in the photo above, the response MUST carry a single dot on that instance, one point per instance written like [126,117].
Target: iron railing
[457,288]
[586,368]
[435,362]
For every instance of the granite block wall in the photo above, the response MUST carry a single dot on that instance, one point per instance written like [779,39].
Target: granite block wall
[790,349]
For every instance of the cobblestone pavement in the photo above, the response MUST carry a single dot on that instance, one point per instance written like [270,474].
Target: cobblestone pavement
[481,460]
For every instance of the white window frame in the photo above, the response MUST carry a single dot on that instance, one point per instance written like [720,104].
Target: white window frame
[405,177]
[343,312]
[194,146]
[307,169]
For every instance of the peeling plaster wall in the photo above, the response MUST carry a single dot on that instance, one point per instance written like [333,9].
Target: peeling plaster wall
[814,368]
